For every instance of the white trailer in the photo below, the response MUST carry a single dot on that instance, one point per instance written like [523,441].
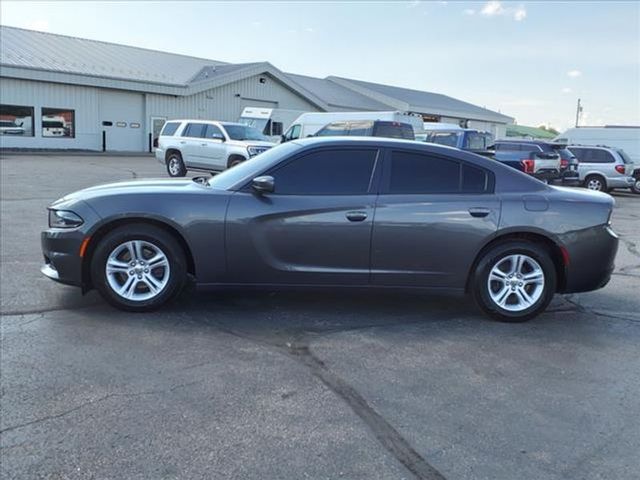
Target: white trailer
[626,138]
[308,124]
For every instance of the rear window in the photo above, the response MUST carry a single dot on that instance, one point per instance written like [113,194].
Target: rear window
[565,153]
[170,128]
[625,158]
[477,141]
[393,130]
[449,139]
[360,129]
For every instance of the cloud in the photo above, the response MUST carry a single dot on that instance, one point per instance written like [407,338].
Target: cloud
[574,73]
[469,11]
[566,90]
[520,14]
[310,29]
[495,9]
[491,9]
[40,24]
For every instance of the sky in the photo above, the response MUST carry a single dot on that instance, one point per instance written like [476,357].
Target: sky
[528,60]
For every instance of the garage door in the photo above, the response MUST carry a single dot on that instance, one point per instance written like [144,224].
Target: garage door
[121,118]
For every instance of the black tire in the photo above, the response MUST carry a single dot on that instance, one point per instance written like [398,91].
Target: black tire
[235,160]
[151,235]
[596,182]
[480,286]
[175,165]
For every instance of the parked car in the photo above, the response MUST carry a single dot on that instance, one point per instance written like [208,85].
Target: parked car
[367,128]
[338,212]
[452,135]
[622,137]
[309,124]
[9,127]
[54,126]
[539,164]
[604,168]
[206,145]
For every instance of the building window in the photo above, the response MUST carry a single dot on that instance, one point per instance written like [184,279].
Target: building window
[134,125]
[107,123]
[16,121]
[58,123]
[121,124]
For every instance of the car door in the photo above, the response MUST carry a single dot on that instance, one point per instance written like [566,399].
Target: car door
[314,229]
[211,154]
[190,144]
[432,216]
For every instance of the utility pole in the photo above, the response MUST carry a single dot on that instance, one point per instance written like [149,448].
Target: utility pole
[578,112]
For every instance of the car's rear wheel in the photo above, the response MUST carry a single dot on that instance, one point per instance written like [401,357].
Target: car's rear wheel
[175,165]
[595,182]
[635,188]
[514,281]
[138,267]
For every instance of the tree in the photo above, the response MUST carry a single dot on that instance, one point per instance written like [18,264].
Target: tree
[549,129]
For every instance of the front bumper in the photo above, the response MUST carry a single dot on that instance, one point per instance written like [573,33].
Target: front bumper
[62,261]
[592,253]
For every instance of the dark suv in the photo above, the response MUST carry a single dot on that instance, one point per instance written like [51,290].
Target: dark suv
[568,172]
[368,128]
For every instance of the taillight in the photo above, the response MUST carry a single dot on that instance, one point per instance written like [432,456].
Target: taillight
[564,163]
[528,165]
[620,169]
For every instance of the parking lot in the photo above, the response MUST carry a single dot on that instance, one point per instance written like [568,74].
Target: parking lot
[304,385]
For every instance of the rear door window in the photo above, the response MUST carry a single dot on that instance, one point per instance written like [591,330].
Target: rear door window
[327,172]
[194,130]
[419,173]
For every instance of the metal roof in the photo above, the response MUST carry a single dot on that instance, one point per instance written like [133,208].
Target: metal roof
[58,58]
[60,53]
[423,102]
[336,95]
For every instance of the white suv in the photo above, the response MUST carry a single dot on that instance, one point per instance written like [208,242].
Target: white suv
[206,145]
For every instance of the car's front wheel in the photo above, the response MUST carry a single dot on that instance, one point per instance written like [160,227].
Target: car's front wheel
[514,281]
[175,165]
[138,267]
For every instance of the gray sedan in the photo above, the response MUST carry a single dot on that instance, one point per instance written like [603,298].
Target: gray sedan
[339,213]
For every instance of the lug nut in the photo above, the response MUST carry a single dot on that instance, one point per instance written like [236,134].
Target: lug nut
[131,272]
[146,270]
[520,283]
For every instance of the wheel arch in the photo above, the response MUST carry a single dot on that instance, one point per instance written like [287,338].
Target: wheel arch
[111,223]
[235,156]
[170,151]
[556,252]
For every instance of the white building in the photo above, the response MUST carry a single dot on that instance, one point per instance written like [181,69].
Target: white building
[60,92]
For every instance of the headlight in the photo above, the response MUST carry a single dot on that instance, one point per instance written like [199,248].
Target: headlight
[253,151]
[64,219]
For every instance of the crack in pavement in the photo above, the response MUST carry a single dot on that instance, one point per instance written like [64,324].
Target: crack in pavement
[590,311]
[35,311]
[388,437]
[92,402]
[631,247]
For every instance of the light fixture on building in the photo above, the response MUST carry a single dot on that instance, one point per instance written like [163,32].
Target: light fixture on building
[262,80]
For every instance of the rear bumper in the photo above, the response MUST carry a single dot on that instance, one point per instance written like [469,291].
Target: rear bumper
[159,153]
[620,182]
[592,254]
[61,251]
[548,175]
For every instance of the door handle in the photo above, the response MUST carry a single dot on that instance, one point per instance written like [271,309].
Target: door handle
[204,144]
[183,142]
[479,212]
[356,216]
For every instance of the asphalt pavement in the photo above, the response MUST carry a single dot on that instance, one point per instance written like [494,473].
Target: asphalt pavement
[262,385]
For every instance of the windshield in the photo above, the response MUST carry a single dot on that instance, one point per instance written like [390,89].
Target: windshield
[7,123]
[54,124]
[251,168]
[244,132]
[257,123]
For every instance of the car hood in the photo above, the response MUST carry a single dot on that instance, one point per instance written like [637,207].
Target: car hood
[153,185]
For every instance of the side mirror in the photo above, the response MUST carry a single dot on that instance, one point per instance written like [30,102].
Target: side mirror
[283,138]
[264,184]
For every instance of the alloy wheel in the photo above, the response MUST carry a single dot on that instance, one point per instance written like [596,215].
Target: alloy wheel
[174,166]
[137,270]
[516,282]
[594,184]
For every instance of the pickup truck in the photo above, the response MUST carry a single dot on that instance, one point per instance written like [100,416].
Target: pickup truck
[546,161]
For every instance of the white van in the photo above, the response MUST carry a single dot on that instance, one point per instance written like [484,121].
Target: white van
[53,126]
[309,124]
[621,137]
[269,121]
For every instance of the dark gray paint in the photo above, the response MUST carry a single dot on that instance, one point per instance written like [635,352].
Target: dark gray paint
[237,236]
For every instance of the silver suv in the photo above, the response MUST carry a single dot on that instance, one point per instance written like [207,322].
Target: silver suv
[603,168]
[207,145]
